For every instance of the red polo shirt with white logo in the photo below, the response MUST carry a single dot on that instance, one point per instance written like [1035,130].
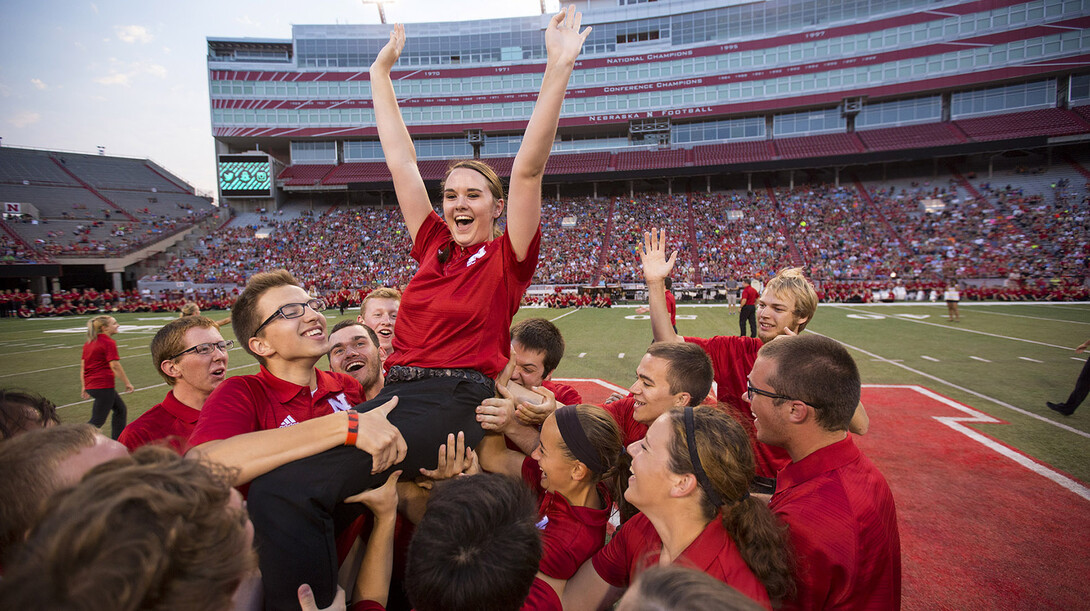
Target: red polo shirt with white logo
[171,420]
[637,546]
[622,410]
[244,404]
[458,314]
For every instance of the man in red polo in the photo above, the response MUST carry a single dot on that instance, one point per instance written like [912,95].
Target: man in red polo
[191,355]
[839,509]
[289,410]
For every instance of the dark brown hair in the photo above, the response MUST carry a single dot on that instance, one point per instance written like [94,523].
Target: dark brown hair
[21,411]
[540,335]
[818,371]
[690,368]
[677,588]
[151,531]
[725,453]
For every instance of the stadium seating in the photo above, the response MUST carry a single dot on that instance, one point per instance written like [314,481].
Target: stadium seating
[370,171]
[304,175]
[1046,122]
[650,160]
[733,152]
[817,146]
[577,163]
[908,137]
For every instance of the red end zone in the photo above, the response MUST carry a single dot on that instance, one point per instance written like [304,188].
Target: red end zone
[983,526]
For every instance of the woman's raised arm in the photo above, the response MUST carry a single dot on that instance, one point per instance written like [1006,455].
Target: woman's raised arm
[397,145]
[563,42]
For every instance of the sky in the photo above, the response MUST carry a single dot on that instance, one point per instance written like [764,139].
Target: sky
[131,75]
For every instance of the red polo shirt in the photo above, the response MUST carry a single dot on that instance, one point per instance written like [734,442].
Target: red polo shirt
[458,314]
[171,420]
[843,526]
[732,360]
[565,395]
[622,410]
[244,404]
[637,546]
[97,355]
[569,535]
[542,597]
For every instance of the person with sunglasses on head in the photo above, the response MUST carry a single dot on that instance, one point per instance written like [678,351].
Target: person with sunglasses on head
[289,409]
[191,355]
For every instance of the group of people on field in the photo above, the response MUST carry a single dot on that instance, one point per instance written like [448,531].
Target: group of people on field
[436,465]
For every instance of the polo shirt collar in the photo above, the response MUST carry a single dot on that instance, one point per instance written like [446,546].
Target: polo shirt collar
[829,458]
[283,390]
[708,546]
[180,410]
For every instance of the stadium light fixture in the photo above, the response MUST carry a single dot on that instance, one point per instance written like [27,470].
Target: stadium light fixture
[379,4]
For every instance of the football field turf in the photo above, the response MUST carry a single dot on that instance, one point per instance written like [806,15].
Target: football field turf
[1002,359]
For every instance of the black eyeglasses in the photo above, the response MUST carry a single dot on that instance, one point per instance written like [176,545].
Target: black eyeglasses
[293,310]
[750,391]
[206,349]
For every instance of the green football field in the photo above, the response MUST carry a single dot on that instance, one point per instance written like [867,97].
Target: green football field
[1002,359]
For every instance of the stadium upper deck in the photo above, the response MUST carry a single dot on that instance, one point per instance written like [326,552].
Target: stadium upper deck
[721,82]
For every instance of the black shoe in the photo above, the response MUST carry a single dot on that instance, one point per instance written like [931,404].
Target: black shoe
[1060,407]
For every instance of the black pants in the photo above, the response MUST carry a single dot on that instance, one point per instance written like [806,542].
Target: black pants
[107,400]
[293,507]
[1082,388]
[748,314]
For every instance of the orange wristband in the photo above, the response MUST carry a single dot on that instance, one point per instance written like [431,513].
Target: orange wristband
[353,427]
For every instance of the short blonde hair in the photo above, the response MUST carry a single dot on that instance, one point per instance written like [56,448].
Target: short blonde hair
[792,282]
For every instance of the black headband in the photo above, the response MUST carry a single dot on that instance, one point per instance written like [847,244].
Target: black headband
[571,431]
[694,456]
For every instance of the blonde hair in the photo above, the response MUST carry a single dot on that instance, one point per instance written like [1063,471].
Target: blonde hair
[791,281]
[96,325]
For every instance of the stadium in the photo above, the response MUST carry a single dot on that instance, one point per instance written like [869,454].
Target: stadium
[891,149]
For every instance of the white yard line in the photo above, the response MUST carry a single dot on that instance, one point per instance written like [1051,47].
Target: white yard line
[1019,410]
[963,330]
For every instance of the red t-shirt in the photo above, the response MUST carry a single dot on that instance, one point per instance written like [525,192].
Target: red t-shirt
[749,295]
[732,360]
[636,546]
[622,410]
[97,355]
[458,314]
[565,395]
[171,420]
[569,535]
[671,307]
[843,525]
[542,597]
[244,404]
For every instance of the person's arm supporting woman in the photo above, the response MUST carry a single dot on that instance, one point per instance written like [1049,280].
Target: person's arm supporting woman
[563,42]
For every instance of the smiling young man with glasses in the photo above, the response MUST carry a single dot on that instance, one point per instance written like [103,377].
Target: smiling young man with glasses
[289,409]
[191,355]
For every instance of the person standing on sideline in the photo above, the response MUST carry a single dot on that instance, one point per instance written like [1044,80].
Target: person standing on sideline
[749,310]
[99,365]
[1082,387]
[952,297]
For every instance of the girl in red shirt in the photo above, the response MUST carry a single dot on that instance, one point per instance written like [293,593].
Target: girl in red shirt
[99,365]
[578,467]
[690,480]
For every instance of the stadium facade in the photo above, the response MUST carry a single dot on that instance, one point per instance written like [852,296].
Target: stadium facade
[674,88]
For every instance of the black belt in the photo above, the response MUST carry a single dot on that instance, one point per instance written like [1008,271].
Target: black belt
[400,373]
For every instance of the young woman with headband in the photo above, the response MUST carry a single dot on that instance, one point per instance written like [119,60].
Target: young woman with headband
[578,469]
[98,366]
[690,480]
